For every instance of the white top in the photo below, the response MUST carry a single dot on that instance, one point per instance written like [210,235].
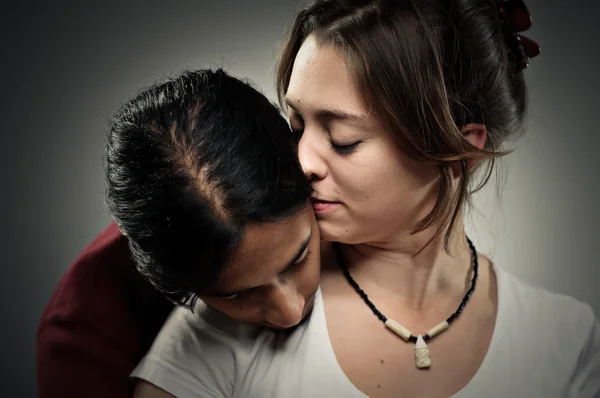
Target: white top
[543,345]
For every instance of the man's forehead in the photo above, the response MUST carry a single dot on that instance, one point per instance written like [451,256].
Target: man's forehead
[263,240]
[264,249]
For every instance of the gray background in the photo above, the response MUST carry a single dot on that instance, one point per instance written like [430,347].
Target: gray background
[66,67]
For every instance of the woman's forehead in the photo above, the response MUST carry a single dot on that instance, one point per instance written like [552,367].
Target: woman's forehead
[321,79]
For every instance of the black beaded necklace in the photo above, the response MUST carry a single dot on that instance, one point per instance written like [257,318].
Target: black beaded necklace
[422,358]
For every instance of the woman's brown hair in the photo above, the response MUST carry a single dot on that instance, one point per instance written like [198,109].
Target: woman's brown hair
[425,69]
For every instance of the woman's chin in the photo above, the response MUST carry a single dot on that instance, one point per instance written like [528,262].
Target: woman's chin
[337,232]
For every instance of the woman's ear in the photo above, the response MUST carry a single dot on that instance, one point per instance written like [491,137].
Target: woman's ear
[476,135]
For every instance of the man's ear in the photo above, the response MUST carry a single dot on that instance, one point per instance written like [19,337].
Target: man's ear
[476,135]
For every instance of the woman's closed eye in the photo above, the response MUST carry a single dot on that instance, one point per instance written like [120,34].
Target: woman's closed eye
[344,149]
[297,129]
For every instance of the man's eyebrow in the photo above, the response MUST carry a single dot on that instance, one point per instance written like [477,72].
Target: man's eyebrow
[294,260]
[331,114]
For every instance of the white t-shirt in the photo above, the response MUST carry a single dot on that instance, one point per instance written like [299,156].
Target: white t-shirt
[543,345]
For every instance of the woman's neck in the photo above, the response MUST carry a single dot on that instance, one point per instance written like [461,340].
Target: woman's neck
[412,269]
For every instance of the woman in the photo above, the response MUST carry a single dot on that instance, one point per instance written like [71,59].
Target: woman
[398,107]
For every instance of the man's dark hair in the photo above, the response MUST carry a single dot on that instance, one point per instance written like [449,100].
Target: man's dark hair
[189,164]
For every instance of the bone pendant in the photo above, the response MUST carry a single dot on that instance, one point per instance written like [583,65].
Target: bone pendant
[422,359]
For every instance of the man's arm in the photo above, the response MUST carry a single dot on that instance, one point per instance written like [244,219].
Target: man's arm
[74,361]
[144,389]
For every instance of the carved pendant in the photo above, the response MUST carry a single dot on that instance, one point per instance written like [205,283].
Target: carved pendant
[422,359]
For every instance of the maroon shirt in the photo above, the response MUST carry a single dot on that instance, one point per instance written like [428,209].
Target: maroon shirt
[99,322]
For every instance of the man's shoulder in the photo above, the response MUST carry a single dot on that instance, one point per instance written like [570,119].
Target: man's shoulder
[103,291]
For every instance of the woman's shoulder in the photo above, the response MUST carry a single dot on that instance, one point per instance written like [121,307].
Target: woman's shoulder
[205,335]
[196,351]
[203,329]
[539,303]
[186,333]
[554,332]
[544,318]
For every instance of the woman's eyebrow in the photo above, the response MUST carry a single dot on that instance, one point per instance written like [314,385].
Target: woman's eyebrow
[329,114]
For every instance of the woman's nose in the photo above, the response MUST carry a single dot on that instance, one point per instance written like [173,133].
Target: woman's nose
[311,156]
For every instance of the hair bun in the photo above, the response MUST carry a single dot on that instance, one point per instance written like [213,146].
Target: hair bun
[515,18]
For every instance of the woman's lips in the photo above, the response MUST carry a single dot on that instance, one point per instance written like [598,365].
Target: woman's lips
[324,206]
